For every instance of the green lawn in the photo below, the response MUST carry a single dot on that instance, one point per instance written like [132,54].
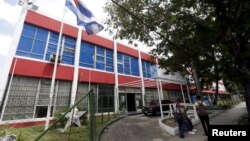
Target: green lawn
[71,134]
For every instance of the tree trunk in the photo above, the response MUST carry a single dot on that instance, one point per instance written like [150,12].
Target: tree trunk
[247,97]
[216,92]
[196,79]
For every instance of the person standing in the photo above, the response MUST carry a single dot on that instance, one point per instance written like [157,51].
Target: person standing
[202,113]
[184,123]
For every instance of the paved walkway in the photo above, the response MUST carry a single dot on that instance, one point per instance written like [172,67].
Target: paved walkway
[143,128]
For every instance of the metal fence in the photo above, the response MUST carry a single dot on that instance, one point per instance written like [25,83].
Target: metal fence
[91,124]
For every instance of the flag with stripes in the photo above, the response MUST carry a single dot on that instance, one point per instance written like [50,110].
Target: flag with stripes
[84,16]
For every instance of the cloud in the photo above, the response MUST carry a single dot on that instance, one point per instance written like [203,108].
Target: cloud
[6,27]
[11,2]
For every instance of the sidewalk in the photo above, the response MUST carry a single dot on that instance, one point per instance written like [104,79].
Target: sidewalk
[228,117]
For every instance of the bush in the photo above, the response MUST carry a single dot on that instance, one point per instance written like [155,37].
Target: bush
[244,120]
[63,121]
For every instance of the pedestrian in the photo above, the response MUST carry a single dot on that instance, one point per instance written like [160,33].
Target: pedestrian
[202,113]
[184,123]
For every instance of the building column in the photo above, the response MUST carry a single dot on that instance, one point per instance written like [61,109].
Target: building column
[142,79]
[116,98]
[76,67]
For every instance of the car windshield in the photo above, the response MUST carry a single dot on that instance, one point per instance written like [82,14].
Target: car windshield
[154,102]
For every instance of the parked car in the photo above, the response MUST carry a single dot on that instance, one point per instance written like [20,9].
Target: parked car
[154,107]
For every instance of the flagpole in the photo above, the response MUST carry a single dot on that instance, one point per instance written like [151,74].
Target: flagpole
[54,72]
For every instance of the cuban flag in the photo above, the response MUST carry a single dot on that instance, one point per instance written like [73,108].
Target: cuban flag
[84,16]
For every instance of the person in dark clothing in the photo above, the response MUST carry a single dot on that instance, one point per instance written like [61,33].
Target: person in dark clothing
[202,113]
[184,123]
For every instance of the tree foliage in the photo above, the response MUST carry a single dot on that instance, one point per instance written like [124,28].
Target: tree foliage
[210,36]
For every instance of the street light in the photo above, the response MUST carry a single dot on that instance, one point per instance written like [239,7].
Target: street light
[30,4]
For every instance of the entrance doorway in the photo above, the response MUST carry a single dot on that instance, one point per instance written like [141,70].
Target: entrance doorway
[131,102]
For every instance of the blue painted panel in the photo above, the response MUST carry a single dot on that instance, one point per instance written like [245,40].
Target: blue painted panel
[39,47]
[29,31]
[42,34]
[25,44]
[134,66]
[87,55]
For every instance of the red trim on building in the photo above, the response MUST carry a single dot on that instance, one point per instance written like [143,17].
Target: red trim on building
[127,50]
[127,79]
[95,39]
[172,86]
[41,69]
[145,56]
[96,76]
[26,124]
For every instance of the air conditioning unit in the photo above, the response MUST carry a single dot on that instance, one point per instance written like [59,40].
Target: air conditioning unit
[53,58]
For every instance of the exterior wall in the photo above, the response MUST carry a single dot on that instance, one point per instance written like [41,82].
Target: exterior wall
[27,69]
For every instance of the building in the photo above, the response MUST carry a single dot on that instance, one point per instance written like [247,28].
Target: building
[121,76]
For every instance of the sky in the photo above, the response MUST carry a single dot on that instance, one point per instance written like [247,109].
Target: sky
[10,12]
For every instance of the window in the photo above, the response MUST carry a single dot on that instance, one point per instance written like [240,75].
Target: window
[149,69]
[87,55]
[106,98]
[22,97]
[92,56]
[100,58]
[120,62]
[134,66]
[127,64]
[32,42]
[52,45]
[109,60]
[68,54]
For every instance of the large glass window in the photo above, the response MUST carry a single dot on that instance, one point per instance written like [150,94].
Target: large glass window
[100,58]
[92,56]
[109,60]
[106,98]
[127,64]
[87,55]
[52,45]
[148,69]
[32,42]
[68,54]
[120,62]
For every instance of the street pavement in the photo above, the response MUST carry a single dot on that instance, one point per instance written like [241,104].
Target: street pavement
[146,128]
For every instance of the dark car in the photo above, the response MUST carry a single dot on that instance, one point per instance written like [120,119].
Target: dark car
[154,107]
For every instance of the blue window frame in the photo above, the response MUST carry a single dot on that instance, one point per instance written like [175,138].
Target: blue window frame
[32,42]
[100,58]
[120,62]
[149,69]
[134,66]
[109,60]
[52,45]
[127,64]
[87,55]
[68,54]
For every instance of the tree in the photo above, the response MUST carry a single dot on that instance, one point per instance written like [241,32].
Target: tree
[191,34]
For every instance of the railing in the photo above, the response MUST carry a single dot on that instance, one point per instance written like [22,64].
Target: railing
[170,112]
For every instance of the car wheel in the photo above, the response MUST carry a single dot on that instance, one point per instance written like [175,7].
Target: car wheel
[157,113]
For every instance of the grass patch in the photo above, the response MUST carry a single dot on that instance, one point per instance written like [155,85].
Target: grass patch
[73,134]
